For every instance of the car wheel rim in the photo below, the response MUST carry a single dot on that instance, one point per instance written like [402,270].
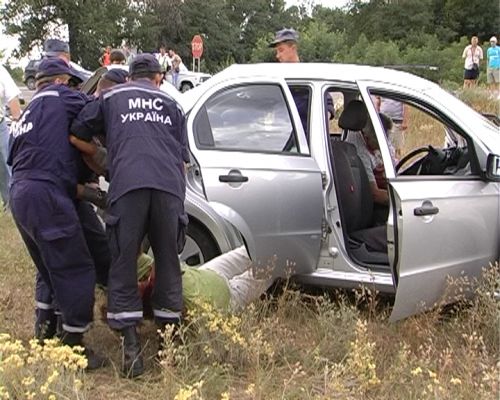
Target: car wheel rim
[192,254]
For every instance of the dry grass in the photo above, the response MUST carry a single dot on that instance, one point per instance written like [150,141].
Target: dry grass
[295,346]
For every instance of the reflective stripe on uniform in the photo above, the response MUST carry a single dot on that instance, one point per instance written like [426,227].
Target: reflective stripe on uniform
[125,315]
[52,93]
[76,329]
[43,306]
[167,314]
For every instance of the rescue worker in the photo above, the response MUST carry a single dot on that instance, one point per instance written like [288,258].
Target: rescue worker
[47,323]
[145,132]
[44,178]
[111,78]
[55,48]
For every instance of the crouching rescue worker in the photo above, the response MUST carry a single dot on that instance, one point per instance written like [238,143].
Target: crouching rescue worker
[44,177]
[145,134]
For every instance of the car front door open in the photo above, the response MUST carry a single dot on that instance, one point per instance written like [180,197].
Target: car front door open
[439,219]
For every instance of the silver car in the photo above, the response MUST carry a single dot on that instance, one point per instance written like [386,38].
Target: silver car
[270,161]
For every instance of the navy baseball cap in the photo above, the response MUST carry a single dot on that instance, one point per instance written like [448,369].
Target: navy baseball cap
[53,66]
[116,75]
[54,47]
[285,35]
[144,63]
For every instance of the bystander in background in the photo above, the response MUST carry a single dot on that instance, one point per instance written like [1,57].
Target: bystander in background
[105,59]
[472,54]
[493,67]
[9,97]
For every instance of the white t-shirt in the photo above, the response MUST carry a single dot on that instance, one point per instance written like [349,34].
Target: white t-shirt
[164,60]
[8,90]
[472,56]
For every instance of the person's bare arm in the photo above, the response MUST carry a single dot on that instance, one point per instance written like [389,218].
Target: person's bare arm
[15,108]
[94,156]
[380,196]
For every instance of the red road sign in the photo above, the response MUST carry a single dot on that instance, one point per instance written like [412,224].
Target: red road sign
[197,46]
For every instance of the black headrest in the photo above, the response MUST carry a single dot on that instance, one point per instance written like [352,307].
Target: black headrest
[354,116]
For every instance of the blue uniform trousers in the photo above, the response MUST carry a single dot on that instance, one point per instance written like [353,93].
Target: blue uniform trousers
[96,239]
[97,243]
[48,222]
[135,214]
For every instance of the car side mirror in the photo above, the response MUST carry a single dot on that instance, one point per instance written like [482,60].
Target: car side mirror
[493,168]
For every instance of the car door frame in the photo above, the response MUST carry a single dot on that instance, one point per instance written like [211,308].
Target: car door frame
[230,213]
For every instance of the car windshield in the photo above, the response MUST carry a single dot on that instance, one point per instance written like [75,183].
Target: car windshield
[480,124]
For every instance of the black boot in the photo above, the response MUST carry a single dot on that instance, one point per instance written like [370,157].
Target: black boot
[132,361]
[94,361]
[45,325]
[59,327]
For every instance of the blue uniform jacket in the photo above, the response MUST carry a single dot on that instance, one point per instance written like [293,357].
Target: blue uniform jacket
[145,132]
[40,140]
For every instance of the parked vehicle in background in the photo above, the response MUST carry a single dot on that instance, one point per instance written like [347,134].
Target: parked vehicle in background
[32,68]
[188,80]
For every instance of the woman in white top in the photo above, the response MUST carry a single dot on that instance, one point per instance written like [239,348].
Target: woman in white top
[472,54]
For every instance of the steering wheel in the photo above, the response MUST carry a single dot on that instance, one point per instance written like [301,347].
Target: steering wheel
[411,154]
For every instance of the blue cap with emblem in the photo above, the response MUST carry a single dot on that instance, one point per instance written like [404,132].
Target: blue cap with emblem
[54,47]
[144,63]
[116,75]
[285,35]
[51,67]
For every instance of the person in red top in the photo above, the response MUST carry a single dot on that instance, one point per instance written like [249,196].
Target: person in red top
[106,57]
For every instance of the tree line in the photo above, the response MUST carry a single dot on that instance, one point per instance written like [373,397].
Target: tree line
[375,32]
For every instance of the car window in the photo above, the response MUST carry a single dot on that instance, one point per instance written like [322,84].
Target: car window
[335,106]
[424,142]
[246,118]
[302,96]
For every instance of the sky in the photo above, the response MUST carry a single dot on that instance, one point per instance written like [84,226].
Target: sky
[8,44]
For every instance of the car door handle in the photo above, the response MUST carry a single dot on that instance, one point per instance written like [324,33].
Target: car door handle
[233,178]
[425,210]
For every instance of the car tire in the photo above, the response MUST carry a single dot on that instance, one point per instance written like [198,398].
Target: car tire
[200,246]
[185,86]
[31,83]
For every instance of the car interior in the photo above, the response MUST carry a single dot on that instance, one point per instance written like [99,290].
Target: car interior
[446,154]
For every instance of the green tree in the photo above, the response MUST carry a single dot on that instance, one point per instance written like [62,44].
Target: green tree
[92,24]
[472,17]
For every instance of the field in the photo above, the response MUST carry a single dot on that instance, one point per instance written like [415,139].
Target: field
[289,346]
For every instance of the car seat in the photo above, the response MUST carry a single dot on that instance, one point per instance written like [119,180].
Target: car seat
[368,244]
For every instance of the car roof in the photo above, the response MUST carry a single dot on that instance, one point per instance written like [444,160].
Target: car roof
[344,72]
[312,71]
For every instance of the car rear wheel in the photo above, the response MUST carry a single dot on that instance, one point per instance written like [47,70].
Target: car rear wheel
[200,247]
[185,86]
[30,83]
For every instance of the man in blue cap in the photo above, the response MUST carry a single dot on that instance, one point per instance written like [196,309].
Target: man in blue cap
[145,132]
[113,77]
[44,180]
[55,48]
[285,45]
